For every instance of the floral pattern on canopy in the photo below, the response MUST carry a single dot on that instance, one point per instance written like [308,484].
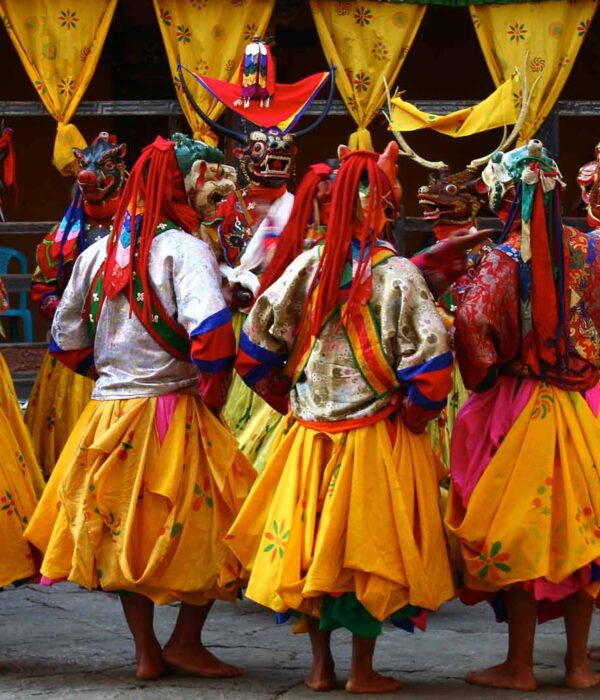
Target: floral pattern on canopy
[59,44]
[548,34]
[367,41]
[208,37]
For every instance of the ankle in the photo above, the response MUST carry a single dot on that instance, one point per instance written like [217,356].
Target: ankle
[149,647]
[576,660]
[518,666]
[324,660]
[361,671]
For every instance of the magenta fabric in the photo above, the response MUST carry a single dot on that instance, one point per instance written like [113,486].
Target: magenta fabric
[592,396]
[481,425]
[165,408]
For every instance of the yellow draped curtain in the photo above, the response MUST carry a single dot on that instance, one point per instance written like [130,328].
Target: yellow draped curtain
[59,44]
[549,33]
[496,110]
[208,37]
[367,41]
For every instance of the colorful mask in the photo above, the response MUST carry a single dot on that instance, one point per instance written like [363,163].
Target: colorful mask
[588,180]
[207,184]
[207,181]
[452,199]
[102,169]
[267,158]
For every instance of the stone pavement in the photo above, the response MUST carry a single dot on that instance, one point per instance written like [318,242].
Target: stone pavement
[67,643]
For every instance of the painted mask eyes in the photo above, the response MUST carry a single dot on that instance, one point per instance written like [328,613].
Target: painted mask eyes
[109,165]
[258,148]
[451,189]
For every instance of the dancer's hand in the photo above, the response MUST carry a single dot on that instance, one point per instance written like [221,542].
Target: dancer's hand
[467,238]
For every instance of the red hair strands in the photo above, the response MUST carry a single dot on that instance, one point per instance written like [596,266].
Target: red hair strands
[291,240]
[342,228]
[155,188]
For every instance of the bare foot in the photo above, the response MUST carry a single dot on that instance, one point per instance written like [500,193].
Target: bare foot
[322,677]
[503,676]
[594,653]
[372,683]
[581,677]
[199,661]
[150,664]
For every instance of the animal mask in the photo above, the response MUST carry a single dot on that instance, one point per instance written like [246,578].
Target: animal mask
[102,170]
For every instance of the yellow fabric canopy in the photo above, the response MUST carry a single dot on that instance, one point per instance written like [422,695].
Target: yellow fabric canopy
[208,37]
[499,109]
[549,34]
[367,42]
[59,45]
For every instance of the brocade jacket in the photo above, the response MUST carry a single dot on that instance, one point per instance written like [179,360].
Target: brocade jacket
[489,333]
[398,348]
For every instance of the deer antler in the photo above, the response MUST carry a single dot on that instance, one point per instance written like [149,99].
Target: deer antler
[405,149]
[525,102]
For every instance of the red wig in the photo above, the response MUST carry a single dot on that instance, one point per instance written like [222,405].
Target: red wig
[345,225]
[291,240]
[155,188]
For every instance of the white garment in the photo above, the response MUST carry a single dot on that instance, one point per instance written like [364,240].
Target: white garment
[254,257]
[129,362]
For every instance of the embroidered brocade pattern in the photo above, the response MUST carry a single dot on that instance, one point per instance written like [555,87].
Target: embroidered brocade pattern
[331,387]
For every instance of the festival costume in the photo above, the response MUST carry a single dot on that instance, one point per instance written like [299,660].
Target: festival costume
[525,496]
[246,227]
[441,265]
[150,479]
[451,201]
[329,528]
[59,395]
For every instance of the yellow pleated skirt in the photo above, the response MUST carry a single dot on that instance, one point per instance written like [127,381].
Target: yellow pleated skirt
[21,483]
[12,411]
[57,400]
[356,511]
[124,513]
[252,421]
[535,511]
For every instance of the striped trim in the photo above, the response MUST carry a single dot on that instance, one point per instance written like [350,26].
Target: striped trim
[221,364]
[436,363]
[216,320]
[418,398]
[266,357]
[364,339]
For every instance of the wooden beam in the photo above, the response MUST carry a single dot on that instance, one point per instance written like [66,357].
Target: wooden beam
[135,108]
